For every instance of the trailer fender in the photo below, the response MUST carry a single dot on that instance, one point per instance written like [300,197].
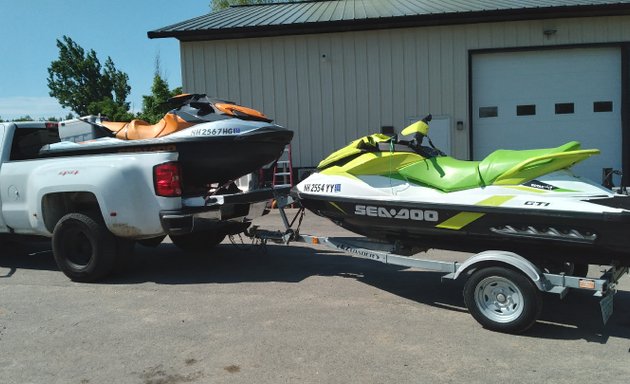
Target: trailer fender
[511,259]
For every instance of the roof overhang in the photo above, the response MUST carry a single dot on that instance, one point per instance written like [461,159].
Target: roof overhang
[424,20]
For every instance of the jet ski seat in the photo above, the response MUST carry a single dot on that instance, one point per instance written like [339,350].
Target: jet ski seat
[500,167]
[139,129]
[517,166]
[444,173]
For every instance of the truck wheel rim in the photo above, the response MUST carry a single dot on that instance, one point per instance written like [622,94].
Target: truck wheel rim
[499,299]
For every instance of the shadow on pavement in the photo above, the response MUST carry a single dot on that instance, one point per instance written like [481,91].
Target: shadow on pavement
[34,255]
[577,316]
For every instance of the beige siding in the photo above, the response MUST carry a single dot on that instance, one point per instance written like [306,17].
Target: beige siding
[367,79]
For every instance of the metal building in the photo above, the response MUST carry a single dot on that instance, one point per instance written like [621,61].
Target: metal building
[510,74]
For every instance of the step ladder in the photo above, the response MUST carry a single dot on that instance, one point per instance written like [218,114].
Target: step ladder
[283,169]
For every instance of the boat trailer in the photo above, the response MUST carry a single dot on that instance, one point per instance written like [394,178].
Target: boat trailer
[502,291]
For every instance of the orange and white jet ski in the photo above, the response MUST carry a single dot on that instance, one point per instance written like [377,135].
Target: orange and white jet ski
[217,140]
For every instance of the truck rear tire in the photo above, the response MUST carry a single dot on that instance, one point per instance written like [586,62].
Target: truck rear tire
[502,299]
[197,242]
[84,249]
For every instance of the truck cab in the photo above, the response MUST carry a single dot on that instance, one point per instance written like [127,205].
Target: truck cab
[19,142]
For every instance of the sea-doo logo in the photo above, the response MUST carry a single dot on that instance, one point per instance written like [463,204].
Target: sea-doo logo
[215,131]
[540,185]
[395,213]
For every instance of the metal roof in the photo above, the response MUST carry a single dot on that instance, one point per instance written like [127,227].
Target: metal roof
[309,16]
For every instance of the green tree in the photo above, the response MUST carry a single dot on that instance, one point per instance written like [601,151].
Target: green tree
[79,82]
[24,118]
[1,121]
[153,108]
[110,108]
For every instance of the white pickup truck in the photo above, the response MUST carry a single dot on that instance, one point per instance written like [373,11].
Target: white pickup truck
[95,206]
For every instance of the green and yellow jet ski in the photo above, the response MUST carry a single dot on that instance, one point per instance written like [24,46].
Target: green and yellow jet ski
[525,201]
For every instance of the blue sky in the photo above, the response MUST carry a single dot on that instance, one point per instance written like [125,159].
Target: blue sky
[115,28]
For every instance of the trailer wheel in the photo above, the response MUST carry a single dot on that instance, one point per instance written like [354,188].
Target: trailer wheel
[197,242]
[84,249]
[502,299]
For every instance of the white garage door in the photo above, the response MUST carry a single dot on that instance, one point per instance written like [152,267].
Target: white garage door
[541,99]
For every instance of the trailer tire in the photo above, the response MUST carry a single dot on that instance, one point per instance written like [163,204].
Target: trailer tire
[197,242]
[84,249]
[502,299]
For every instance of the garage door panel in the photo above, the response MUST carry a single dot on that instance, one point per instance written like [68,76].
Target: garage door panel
[556,91]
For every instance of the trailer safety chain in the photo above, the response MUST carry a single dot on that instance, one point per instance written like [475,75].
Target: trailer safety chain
[256,243]
[261,237]
[299,213]
[291,234]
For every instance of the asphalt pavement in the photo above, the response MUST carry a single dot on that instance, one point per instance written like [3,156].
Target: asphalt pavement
[284,314]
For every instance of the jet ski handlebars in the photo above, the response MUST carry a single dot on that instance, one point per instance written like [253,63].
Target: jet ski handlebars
[420,130]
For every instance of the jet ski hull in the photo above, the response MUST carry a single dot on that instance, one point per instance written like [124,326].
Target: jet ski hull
[229,159]
[556,217]
[205,158]
[536,235]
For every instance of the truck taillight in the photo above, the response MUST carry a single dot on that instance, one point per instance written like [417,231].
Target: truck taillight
[167,180]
